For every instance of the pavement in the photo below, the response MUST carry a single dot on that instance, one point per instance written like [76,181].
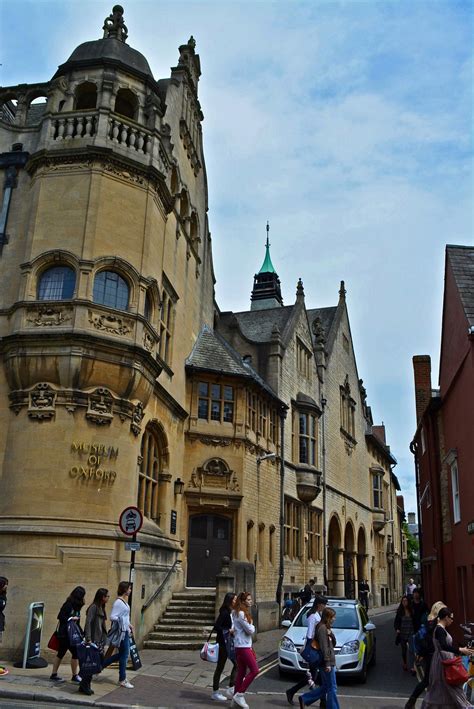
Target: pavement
[166,679]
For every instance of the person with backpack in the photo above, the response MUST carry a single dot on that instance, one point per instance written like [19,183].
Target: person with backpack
[424,649]
[70,610]
[119,634]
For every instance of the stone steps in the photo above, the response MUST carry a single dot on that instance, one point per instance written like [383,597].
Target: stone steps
[186,622]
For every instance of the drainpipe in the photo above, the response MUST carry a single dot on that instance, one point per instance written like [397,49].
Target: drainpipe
[323,436]
[281,570]
[414,451]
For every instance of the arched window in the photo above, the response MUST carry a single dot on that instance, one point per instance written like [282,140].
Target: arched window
[111,289]
[57,283]
[126,103]
[86,96]
[151,456]
[148,306]
[36,110]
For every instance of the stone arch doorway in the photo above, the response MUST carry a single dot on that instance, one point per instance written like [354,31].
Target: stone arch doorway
[209,539]
[362,566]
[335,559]
[349,559]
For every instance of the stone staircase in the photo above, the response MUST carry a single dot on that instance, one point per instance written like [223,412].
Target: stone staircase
[186,623]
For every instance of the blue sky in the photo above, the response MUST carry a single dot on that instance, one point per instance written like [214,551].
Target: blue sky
[346,124]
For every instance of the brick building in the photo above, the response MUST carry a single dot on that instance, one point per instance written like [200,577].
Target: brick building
[443,445]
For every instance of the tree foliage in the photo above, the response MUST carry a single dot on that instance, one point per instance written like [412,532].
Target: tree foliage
[413,548]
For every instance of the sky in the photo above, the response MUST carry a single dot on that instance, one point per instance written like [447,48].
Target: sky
[347,125]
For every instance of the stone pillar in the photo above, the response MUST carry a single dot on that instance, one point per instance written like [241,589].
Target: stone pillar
[225,583]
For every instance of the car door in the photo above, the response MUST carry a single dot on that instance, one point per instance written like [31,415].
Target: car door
[369,634]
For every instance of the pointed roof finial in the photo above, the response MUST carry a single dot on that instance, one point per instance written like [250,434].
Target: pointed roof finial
[114,26]
[267,266]
[299,289]
[342,291]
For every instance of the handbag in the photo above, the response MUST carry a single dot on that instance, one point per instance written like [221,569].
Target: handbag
[114,636]
[74,634]
[90,659]
[53,643]
[398,639]
[134,656]
[310,654]
[210,652]
[229,645]
[454,671]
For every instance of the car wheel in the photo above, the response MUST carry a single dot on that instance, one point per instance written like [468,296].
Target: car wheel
[363,673]
[373,659]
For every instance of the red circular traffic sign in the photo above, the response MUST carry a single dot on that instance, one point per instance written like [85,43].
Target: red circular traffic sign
[131,521]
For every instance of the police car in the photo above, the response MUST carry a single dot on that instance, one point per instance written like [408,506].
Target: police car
[355,640]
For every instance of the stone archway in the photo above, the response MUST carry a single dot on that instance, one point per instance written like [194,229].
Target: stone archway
[349,561]
[335,559]
[362,558]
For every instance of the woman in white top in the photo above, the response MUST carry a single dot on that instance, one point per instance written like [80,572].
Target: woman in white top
[314,617]
[244,654]
[121,629]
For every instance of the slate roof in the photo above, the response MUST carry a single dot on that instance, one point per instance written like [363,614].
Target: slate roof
[461,259]
[212,353]
[257,325]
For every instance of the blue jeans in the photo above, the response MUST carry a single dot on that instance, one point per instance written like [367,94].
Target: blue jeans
[121,656]
[327,690]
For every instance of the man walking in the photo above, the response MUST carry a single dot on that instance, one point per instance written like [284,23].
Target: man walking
[364,590]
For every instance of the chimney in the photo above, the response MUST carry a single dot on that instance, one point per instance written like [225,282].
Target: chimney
[411,518]
[422,372]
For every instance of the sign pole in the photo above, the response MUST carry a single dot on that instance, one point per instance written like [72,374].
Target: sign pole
[131,577]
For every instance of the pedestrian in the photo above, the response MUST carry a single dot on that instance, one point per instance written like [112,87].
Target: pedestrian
[403,625]
[425,654]
[3,603]
[224,628]
[411,586]
[314,617]
[419,609]
[70,610]
[95,631]
[327,642]
[364,591]
[439,693]
[247,668]
[307,592]
[119,634]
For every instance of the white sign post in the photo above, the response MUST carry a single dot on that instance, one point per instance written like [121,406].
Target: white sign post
[130,522]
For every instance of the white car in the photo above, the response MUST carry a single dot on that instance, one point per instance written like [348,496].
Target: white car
[355,640]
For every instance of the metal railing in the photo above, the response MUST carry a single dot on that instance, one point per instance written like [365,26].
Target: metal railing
[160,587]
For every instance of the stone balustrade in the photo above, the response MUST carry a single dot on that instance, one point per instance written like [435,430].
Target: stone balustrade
[127,135]
[76,125]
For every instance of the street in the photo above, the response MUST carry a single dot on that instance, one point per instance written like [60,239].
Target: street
[385,681]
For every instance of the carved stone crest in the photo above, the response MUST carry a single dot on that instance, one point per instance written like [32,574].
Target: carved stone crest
[45,316]
[137,418]
[215,473]
[99,409]
[42,400]
[148,341]
[114,324]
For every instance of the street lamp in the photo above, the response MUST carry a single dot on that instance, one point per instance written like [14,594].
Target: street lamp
[178,486]
[267,456]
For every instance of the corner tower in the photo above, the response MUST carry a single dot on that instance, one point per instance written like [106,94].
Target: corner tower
[105,257]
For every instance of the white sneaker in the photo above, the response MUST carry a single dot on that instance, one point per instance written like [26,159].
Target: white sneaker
[239,700]
[218,697]
[126,684]
[229,692]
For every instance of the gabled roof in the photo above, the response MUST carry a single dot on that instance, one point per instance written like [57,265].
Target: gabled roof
[461,259]
[212,353]
[257,325]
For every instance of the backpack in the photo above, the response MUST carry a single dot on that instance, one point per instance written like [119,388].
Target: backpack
[423,642]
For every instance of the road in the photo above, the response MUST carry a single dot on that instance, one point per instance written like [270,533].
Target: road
[385,681]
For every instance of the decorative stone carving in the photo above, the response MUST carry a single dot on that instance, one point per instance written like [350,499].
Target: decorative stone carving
[46,316]
[148,341]
[42,400]
[215,473]
[114,324]
[137,418]
[99,408]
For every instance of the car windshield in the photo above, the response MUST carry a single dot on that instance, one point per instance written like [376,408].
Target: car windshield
[346,617]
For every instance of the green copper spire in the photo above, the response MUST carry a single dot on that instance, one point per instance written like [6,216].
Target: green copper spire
[267,266]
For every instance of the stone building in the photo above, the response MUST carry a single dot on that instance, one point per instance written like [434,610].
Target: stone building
[242,435]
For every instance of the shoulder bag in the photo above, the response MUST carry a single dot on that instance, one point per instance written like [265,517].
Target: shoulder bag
[454,671]
[209,651]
